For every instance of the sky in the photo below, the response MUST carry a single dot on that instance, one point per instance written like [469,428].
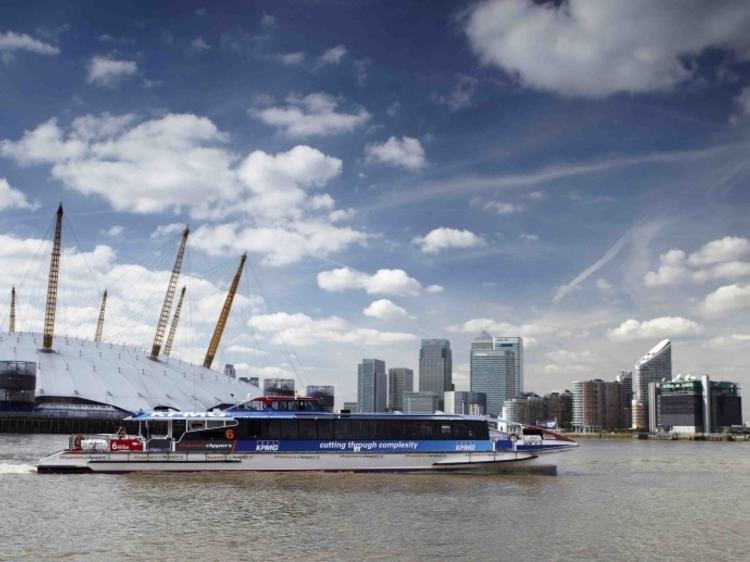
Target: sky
[575,173]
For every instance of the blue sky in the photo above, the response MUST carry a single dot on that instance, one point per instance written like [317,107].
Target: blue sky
[575,173]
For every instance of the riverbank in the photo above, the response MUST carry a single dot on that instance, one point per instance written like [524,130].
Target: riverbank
[658,437]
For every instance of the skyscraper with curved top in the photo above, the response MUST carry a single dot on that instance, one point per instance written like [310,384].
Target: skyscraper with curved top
[655,366]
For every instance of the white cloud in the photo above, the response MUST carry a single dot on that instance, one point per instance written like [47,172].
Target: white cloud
[384,310]
[115,231]
[11,42]
[301,330]
[407,153]
[503,329]
[461,94]
[278,182]
[199,44]
[104,71]
[442,238]
[567,356]
[341,215]
[290,59]
[165,164]
[332,55]
[268,20]
[314,114]
[528,237]
[167,230]
[663,327]
[11,198]
[502,208]
[384,282]
[715,260]
[726,299]
[280,245]
[727,249]
[435,289]
[733,342]
[595,49]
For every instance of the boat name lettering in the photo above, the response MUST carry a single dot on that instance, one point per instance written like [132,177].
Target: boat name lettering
[465,446]
[225,446]
[549,436]
[267,446]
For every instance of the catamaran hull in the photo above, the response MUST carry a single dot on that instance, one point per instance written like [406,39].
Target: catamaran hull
[500,462]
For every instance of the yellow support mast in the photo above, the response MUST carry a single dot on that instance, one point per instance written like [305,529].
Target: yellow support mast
[100,323]
[54,272]
[167,306]
[214,345]
[175,320]
[12,309]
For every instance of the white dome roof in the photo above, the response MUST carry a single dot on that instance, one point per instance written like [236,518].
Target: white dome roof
[122,376]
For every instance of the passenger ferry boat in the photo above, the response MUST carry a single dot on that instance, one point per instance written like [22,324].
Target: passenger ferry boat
[295,434]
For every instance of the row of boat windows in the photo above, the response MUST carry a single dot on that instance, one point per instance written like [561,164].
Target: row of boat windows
[325,429]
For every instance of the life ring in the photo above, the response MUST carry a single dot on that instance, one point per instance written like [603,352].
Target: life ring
[513,437]
[77,442]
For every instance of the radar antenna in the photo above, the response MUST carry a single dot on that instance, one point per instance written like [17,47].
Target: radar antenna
[167,306]
[175,320]
[54,272]
[100,323]
[214,345]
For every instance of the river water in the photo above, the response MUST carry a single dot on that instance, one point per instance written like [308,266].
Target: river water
[611,500]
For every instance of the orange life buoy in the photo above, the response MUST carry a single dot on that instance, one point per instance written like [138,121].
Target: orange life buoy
[77,441]
[513,437]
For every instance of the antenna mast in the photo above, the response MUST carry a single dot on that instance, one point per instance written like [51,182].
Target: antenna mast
[214,345]
[54,272]
[12,309]
[167,306]
[175,320]
[100,323]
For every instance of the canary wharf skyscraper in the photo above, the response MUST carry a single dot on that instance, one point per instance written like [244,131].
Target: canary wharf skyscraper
[435,367]
[492,372]
[515,345]
[371,386]
[655,366]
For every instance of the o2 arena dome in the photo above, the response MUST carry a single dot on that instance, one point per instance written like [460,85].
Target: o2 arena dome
[68,376]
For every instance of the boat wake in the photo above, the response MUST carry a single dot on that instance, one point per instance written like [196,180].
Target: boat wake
[17,468]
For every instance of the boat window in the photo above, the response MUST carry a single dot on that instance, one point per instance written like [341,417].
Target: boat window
[377,429]
[325,429]
[411,429]
[279,405]
[211,424]
[459,430]
[342,429]
[443,430]
[310,406]
[271,429]
[394,429]
[425,429]
[196,425]
[289,429]
[306,428]
[360,429]
[253,429]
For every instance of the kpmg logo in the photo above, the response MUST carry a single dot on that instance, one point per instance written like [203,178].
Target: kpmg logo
[267,446]
[465,446]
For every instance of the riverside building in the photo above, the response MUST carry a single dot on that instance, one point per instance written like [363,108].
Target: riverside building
[400,380]
[435,367]
[698,405]
[655,366]
[371,386]
[492,372]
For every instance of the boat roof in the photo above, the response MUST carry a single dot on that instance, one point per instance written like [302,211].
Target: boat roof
[164,415]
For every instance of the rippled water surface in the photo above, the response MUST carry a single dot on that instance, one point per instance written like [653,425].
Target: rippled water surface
[612,500]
